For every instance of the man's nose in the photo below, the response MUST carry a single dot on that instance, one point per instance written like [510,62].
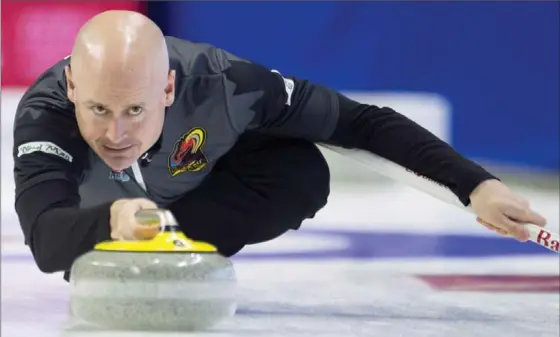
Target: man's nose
[116,131]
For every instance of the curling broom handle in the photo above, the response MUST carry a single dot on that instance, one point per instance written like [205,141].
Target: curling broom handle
[396,172]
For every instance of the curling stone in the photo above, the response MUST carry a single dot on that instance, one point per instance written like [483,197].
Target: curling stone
[167,283]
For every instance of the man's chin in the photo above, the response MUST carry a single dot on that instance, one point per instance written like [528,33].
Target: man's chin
[118,164]
[118,161]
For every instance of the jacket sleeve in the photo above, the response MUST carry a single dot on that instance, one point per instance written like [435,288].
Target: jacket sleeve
[49,157]
[298,108]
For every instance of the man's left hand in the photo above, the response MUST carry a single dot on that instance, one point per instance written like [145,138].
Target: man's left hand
[502,211]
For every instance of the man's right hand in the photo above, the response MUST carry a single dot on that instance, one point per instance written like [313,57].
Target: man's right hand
[123,220]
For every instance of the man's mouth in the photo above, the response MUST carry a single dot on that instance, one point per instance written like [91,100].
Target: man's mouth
[116,149]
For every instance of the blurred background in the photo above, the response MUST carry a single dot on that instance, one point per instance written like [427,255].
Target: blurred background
[482,75]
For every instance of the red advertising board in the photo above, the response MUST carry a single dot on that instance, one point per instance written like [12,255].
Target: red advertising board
[35,35]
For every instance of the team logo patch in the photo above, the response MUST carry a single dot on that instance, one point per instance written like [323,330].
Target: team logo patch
[187,155]
[45,147]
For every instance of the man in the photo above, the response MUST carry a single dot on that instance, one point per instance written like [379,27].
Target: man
[135,120]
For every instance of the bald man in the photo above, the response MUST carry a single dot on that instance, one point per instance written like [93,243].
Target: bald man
[137,120]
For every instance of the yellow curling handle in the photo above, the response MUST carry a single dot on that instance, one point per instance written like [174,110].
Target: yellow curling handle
[163,242]
[169,239]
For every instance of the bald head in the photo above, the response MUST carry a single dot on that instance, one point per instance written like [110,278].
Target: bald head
[120,83]
[121,43]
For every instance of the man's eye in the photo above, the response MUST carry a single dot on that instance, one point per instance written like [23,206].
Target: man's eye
[99,110]
[135,110]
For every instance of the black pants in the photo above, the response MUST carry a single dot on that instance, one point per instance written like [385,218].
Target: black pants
[263,187]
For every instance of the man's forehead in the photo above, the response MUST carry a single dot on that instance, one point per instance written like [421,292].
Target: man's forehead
[118,97]
[101,103]
[102,88]
[118,74]
[118,90]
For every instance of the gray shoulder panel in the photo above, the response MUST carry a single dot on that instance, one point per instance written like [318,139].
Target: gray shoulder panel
[239,106]
[191,59]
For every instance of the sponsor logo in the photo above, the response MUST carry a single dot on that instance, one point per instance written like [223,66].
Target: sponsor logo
[289,87]
[187,155]
[45,147]
[179,243]
[119,176]
[546,239]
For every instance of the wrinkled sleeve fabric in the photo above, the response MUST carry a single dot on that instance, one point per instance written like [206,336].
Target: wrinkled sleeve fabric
[293,107]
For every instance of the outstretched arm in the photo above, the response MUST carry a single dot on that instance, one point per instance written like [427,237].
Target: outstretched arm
[299,108]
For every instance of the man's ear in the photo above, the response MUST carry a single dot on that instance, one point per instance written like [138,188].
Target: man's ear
[71,88]
[170,89]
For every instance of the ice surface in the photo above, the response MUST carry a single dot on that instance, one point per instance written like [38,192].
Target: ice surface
[337,278]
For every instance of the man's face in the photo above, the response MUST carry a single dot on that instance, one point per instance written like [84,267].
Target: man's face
[120,117]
